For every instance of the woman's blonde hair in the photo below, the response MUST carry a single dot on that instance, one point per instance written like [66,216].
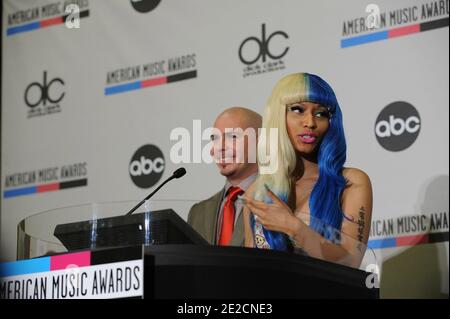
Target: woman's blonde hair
[325,197]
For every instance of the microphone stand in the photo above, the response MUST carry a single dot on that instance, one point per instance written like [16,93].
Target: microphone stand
[150,195]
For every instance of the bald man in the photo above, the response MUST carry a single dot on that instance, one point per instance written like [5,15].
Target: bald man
[218,219]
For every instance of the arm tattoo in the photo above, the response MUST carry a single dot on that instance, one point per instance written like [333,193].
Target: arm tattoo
[361,223]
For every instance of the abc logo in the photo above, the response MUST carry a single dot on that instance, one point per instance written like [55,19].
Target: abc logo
[147,166]
[397,126]
[144,6]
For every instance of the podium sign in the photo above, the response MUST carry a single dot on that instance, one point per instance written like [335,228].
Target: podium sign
[181,272]
[116,273]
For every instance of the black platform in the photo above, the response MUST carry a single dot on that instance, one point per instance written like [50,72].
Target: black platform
[187,271]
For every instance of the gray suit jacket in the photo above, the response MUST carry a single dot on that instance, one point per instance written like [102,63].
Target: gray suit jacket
[203,218]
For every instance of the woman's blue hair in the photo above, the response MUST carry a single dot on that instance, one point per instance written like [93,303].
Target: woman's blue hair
[325,199]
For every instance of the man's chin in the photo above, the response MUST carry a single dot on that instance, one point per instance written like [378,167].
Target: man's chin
[226,169]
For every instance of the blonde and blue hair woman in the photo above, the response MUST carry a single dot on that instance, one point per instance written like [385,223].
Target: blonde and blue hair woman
[310,177]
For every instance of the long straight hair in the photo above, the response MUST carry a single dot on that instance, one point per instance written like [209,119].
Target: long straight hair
[325,198]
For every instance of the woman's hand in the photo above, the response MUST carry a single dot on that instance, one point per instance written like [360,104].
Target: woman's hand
[276,217]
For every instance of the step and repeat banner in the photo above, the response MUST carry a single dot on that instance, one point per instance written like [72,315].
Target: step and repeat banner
[97,96]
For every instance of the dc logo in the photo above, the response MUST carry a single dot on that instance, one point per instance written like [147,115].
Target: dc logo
[147,166]
[144,6]
[37,93]
[263,47]
[397,126]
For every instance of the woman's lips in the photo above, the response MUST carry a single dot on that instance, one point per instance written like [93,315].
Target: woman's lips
[308,138]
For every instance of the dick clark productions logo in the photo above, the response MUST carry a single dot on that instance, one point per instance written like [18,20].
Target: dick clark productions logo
[44,94]
[397,126]
[264,53]
[263,49]
[147,166]
[43,97]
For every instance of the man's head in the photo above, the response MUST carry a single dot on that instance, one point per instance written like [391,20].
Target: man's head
[234,143]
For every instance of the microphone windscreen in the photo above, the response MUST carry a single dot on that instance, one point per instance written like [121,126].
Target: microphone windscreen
[179,172]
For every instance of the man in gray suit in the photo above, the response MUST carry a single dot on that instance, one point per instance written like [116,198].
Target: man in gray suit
[218,219]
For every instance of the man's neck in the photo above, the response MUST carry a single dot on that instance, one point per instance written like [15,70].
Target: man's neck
[237,180]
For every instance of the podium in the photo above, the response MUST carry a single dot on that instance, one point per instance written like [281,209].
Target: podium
[155,228]
[170,260]
[188,271]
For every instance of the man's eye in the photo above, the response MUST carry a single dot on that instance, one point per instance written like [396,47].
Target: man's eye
[232,136]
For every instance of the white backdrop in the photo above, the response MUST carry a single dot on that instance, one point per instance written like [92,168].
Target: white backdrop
[101,131]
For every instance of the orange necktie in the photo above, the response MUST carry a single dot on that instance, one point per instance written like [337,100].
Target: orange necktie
[228,216]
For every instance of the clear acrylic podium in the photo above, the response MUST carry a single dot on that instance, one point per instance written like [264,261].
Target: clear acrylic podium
[178,263]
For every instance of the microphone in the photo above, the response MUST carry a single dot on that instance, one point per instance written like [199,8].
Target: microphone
[177,174]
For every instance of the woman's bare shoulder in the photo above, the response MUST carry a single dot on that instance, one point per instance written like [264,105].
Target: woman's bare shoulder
[355,176]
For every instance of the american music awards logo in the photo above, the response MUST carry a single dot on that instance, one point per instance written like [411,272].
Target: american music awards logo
[151,74]
[376,24]
[68,13]
[264,52]
[44,180]
[409,230]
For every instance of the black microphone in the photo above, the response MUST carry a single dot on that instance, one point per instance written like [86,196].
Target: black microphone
[177,174]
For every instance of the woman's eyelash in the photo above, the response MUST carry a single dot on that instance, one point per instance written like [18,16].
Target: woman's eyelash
[324,113]
[297,109]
